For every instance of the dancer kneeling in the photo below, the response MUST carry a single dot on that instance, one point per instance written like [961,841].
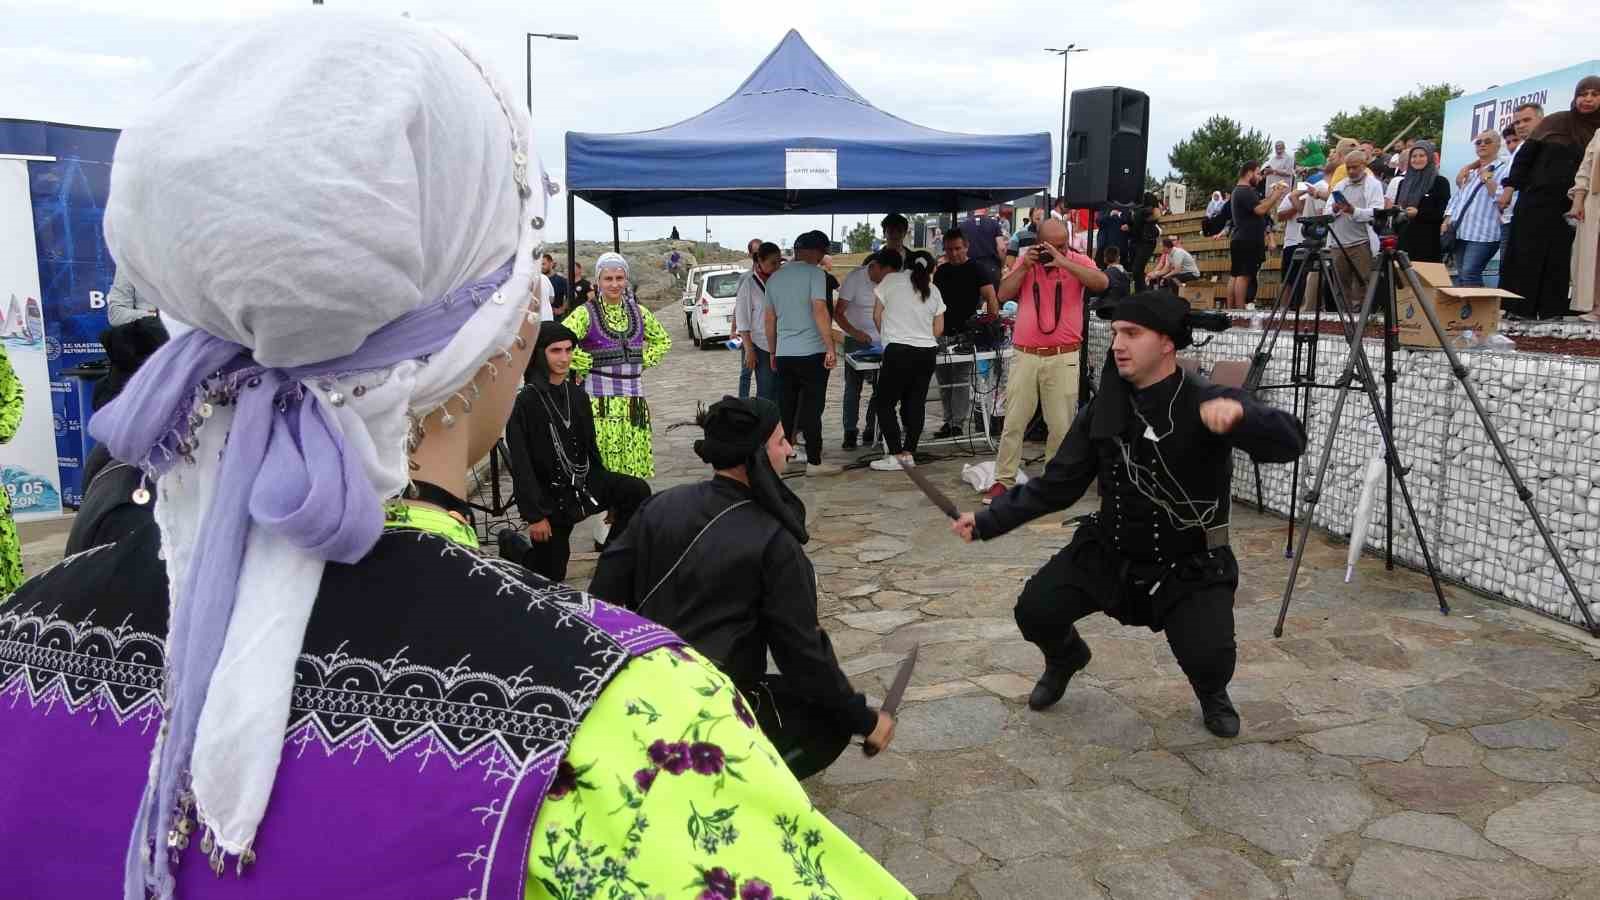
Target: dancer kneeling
[1161,444]
[720,563]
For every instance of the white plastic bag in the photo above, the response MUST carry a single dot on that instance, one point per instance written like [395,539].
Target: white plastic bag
[981,475]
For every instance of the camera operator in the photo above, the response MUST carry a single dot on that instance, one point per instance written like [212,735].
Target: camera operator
[1352,202]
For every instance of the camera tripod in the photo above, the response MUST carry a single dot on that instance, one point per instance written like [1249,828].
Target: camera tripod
[1381,287]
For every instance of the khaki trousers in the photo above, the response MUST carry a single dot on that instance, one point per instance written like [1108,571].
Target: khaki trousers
[1035,381]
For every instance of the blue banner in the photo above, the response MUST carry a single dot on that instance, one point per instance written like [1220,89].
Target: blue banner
[1469,115]
[75,269]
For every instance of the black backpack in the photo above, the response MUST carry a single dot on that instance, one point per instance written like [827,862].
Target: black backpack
[1212,226]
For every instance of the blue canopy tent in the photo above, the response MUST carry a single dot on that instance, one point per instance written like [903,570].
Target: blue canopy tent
[795,138]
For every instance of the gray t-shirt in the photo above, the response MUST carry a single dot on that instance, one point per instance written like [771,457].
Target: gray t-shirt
[790,292]
[1183,263]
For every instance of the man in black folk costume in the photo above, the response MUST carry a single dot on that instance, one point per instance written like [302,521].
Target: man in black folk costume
[721,563]
[1156,554]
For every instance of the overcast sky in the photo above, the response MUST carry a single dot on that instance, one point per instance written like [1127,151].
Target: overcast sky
[960,66]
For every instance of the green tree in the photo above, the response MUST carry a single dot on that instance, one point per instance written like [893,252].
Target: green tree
[1152,184]
[859,238]
[1209,159]
[1426,104]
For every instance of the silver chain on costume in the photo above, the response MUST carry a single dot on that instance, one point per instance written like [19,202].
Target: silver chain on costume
[1148,482]
[578,473]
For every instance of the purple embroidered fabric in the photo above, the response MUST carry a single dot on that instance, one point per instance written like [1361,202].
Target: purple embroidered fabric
[398,778]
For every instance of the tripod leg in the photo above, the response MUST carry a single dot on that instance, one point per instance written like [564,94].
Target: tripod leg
[1395,469]
[1459,370]
[1315,494]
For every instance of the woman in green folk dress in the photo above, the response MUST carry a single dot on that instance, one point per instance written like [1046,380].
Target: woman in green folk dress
[10,418]
[617,340]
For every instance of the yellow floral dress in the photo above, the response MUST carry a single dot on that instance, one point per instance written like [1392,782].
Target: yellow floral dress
[10,418]
[670,791]
[625,446]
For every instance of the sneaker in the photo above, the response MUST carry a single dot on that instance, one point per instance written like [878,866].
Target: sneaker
[995,490]
[849,441]
[818,470]
[908,461]
[886,464]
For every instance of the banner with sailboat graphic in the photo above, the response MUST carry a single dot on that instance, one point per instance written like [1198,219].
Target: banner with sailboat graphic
[28,467]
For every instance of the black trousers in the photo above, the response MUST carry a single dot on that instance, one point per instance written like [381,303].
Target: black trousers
[802,393]
[618,494]
[903,381]
[1194,605]
[807,737]
[1141,260]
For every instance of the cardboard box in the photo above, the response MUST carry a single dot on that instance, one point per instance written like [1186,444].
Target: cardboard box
[1458,308]
[1203,294]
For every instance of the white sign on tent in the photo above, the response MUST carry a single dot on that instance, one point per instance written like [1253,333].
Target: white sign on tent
[811,170]
[28,467]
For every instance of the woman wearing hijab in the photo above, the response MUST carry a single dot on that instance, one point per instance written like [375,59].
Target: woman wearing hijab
[1586,210]
[617,340]
[1216,204]
[338,695]
[1423,194]
[1538,258]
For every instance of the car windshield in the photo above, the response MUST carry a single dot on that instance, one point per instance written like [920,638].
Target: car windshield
[723,285]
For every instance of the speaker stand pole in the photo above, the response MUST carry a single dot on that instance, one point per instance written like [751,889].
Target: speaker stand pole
[1085,388]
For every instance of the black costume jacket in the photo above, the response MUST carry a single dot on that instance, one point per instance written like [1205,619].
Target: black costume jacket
[744,588]
[1164,504]
[543,487]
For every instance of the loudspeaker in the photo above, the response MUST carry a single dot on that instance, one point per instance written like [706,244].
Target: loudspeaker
[1107,141]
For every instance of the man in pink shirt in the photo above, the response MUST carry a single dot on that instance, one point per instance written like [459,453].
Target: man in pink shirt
[1048,284]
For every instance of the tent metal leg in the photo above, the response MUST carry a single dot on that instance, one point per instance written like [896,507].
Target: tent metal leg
[616,235]
[572,244]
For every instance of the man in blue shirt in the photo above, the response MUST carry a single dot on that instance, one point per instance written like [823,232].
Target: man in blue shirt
[800,332]
[986,243]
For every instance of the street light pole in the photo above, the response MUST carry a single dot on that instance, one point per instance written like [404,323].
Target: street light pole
[528,46]
[1066,58]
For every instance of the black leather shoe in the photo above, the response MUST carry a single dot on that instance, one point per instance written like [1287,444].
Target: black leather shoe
[849,442]
[1221,718]
[868,438]
[1053,683]
[947,431]
[514,545]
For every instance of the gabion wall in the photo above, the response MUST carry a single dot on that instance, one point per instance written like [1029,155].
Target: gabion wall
[1547,411]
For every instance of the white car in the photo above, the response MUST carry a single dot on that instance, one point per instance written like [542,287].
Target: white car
[711,318]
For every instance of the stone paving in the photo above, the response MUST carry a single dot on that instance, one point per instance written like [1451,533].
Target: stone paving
[1387,751]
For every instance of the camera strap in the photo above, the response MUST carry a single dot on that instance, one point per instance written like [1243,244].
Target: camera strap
[1038,319]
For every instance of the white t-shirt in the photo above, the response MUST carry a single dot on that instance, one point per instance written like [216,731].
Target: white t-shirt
[860,293]
[907,317]
[547,293]
[1310,205]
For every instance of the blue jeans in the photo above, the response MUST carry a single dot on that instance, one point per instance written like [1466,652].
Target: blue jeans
[766,379]
[1471,257]
[744,378]
[852,390]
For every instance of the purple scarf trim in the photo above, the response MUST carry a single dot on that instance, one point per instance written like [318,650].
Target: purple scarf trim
[286,470]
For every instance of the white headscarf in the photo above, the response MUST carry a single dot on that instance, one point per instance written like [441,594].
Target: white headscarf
[303,185]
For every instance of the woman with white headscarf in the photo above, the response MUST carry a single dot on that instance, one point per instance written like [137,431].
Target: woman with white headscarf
[304,676]
[1216,204]
[617,340]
